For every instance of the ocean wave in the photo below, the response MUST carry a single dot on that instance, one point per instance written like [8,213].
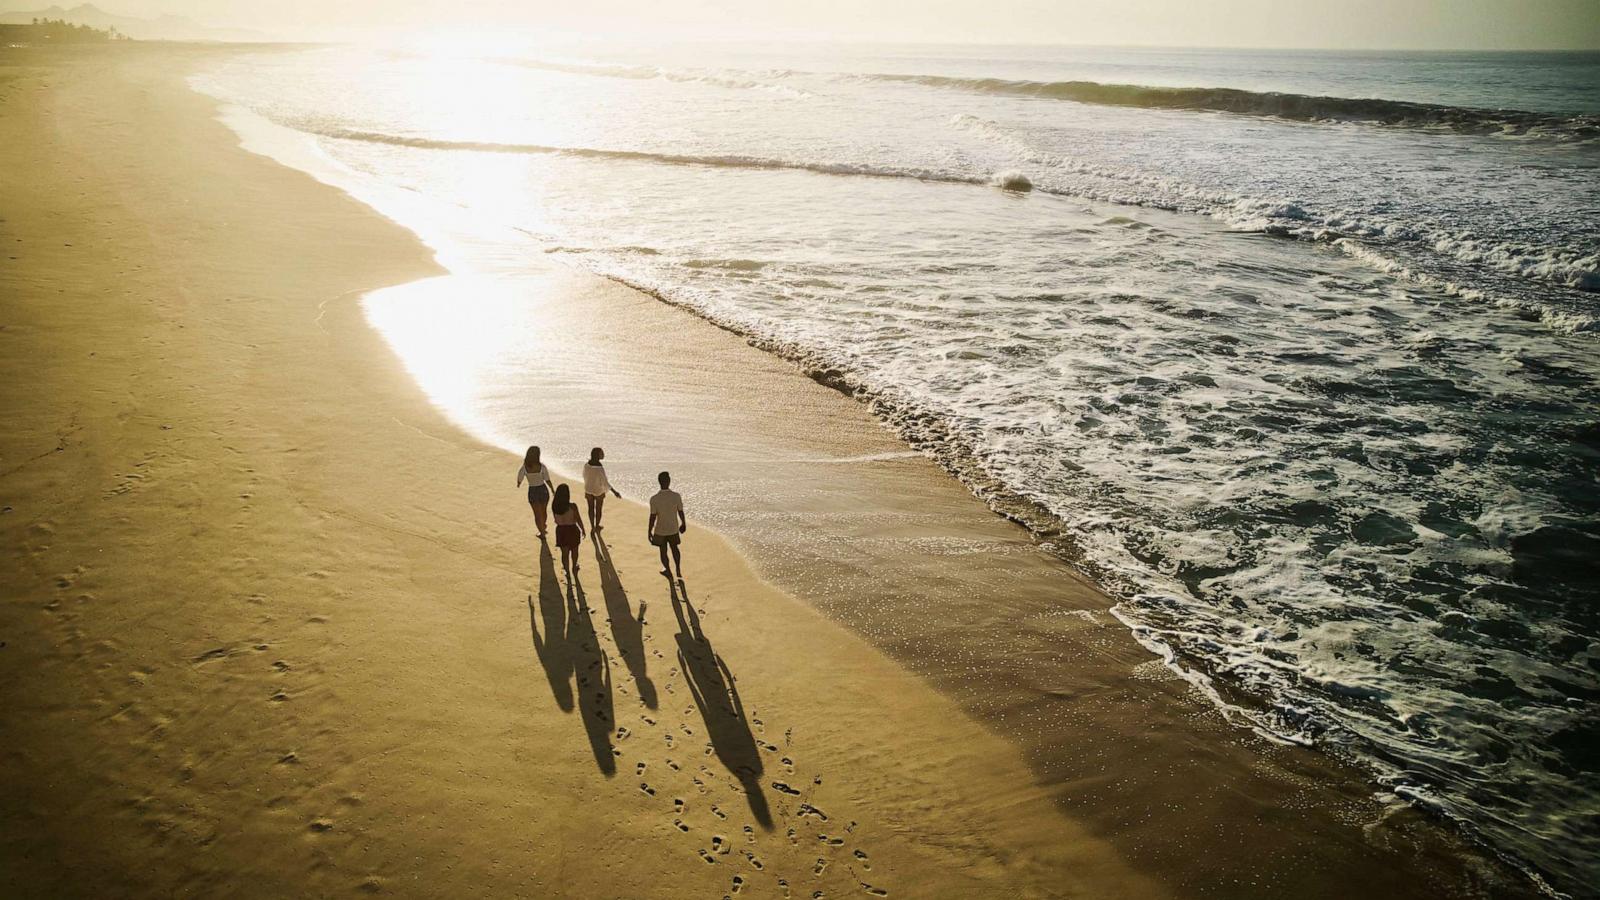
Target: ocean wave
[1006,180]
[1389,246]
[759,81]
[1553,283]
[1272,104]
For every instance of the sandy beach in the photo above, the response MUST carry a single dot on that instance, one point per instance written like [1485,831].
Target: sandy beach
[274,625]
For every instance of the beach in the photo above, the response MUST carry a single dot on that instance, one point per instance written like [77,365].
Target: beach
[275,625]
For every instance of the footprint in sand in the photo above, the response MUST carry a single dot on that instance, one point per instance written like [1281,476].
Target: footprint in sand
[831,841]
[749,834]
[321,825]
[807,809]
[681,827]
[710,860]
[784,788]
[753,860]
[719,844]
[876,892]
[820,867]
[210,655]
[647,789]
[738,883]
[639,770]
[717,812]
[677,804]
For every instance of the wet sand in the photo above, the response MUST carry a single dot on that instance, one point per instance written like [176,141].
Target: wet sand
[274,626]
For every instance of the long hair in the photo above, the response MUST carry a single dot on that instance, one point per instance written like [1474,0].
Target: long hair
[594,456]
[530,460]
[561,501]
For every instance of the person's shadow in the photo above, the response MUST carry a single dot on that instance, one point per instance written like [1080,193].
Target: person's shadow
[593,670]
[626,630]
[568,649]
[717,696]
[554,653]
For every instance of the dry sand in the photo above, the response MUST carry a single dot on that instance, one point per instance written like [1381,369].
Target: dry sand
[273,626]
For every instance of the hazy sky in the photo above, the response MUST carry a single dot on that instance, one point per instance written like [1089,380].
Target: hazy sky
[1423,24]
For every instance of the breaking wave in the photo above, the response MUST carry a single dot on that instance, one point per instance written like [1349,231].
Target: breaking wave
[1295,107]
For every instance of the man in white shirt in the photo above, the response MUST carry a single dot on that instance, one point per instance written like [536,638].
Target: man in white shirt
[667,524]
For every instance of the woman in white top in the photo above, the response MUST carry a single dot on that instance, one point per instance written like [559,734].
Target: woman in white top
[538,477]
[595,485]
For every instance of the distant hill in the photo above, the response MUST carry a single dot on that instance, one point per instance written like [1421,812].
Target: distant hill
[54,31]
[162,28]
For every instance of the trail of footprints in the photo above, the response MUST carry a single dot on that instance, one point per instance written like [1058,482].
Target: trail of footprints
[743,850]
[807,853]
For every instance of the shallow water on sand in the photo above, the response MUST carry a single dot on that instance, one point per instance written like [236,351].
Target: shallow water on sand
[1351,477]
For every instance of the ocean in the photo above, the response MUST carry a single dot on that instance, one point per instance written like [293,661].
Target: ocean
[1295,353]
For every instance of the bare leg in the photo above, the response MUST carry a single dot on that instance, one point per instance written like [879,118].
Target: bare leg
[566,561]
[665,569]
[539,513]
[594,512]
[677,557]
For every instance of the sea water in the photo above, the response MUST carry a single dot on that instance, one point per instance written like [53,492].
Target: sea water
[1296,353]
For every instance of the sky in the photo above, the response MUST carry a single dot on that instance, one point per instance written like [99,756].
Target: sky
[1334,24]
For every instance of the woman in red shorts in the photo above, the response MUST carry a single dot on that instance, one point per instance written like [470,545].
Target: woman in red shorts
[569,528]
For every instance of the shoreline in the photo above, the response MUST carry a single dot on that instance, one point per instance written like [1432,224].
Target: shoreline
[1256,759]
[1112,850]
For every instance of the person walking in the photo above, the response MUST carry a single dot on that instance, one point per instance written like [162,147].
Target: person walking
[538,477]
[569,528]
[667,524]
[595,485]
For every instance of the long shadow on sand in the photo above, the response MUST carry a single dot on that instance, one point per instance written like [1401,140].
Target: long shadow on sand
[554,653]
[717,696]
[626,630]
[574,654]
